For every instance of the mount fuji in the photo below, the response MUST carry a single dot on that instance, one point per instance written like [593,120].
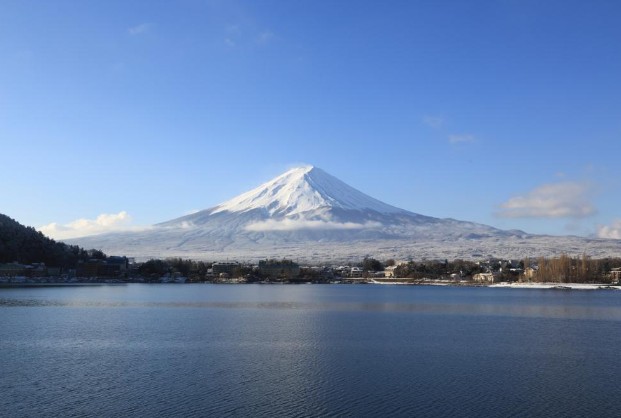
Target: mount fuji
[307,214]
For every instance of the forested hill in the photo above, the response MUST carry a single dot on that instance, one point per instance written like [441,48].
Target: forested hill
[26,245]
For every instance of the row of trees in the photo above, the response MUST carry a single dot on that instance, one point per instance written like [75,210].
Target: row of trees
[437,269]
[27,245]
[566,269]
[563,269]
[193,270]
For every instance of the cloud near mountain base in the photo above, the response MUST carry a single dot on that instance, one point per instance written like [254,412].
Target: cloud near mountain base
[612,231]
[106,222]
[554,200]
[299,224]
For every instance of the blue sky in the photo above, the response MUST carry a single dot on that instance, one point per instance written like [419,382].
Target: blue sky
[123,114]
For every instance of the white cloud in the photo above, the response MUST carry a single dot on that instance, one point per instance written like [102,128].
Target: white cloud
[462,138]
[554,200]
[233,35]
[265,37]
[610,231]
[296,224]
[140,29]
[234,29]
[435,122]
[244,36]
[106,222]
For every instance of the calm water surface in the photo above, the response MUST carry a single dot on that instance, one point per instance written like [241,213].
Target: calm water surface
[308,350]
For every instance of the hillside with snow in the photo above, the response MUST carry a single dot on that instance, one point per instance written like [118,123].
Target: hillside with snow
[307,214]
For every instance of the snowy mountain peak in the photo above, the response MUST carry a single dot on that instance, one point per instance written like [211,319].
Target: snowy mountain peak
[300,190]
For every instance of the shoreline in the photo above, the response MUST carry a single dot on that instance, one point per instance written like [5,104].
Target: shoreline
[501,285]
[557,286]
[507,285]
[13,285]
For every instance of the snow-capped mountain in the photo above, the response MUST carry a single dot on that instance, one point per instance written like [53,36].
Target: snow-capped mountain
[308,214]
[308,204]
[302,198]
[302,190]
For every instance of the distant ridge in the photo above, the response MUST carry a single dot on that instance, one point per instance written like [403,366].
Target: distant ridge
[308,214]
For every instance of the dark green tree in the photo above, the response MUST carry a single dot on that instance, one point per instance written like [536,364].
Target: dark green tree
[371,264]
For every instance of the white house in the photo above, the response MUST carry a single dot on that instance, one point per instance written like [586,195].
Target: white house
[483,278]
[390,271]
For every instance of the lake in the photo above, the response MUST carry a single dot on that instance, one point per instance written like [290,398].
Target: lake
[308,350]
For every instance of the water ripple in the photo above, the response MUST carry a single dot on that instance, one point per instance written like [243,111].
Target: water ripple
[322,355]
[568,312]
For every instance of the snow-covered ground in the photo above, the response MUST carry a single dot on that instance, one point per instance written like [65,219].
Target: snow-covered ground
[560,286]
[572,286]
[320,252]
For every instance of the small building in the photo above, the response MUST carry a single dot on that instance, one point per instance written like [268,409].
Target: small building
[279,269]
[99,269]
[224,270]
[12,270]
[389,272]
[122,262]
[25,270]
[615,275]
[483,278]
[54,271]
[355,272]
[342,271]
[36,270]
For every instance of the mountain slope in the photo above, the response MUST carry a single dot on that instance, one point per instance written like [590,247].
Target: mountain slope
[306,213]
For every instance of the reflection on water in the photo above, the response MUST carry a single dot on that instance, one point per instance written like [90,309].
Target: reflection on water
[308,351]
[517,309]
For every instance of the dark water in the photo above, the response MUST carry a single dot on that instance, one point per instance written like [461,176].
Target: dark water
[204,350]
